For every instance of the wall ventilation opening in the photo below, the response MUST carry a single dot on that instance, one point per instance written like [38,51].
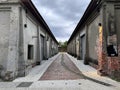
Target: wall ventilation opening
[112,51]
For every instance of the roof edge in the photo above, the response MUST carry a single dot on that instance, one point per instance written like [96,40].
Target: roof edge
[91,7]
[29,4]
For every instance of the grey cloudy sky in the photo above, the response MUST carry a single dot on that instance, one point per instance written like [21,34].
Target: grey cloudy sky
[62,16]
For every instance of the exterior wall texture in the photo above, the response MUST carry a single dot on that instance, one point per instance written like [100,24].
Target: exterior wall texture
[4,36]
[102,37]
[77,46]
[9,39]
[20,41]
[109,64]
[93,33]
[82,41]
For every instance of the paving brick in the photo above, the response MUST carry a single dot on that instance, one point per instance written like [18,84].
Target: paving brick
[56,71]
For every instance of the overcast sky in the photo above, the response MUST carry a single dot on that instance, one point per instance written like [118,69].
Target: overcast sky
[62,16]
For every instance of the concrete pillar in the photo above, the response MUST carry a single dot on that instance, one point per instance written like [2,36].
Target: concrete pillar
[12,63]
[38,46]
[21,61]
[86,61]
[102,49]
[45,47]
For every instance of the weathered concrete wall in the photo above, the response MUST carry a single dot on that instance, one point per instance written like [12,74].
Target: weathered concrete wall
[18,29]
[74,46]
[109,60]
[48,46]
[30,38]
[117,18]
[117,63]
[9,30]
[93,32]
[78,46]
[102,38]
[13,41]
[42,53]
[114,62]
[82,44]
[53,48]
[4,36]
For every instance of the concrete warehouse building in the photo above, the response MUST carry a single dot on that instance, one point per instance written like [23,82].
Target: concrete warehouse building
[96,39]
[25,38]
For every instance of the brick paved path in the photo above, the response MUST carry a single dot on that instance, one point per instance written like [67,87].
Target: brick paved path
[57,71]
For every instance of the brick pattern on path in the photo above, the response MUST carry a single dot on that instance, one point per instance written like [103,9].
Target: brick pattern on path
[56,71]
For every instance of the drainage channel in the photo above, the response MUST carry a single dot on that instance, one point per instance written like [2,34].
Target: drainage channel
[85,77]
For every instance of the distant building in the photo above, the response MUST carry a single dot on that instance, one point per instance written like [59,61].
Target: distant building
[96,39]
[25,38]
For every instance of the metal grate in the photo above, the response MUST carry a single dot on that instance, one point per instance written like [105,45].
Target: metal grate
[25,84]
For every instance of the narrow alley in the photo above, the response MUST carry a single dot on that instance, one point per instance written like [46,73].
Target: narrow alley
[59,45]
[63,72]
[58,70]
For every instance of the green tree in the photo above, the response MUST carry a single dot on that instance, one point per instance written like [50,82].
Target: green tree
[64,45]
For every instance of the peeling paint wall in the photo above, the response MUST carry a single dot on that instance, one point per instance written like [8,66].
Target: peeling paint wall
[102,39]
[109,60]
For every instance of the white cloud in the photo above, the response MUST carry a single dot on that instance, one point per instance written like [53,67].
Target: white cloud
[62,16]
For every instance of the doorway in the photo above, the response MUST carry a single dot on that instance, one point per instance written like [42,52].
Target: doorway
[83,47]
